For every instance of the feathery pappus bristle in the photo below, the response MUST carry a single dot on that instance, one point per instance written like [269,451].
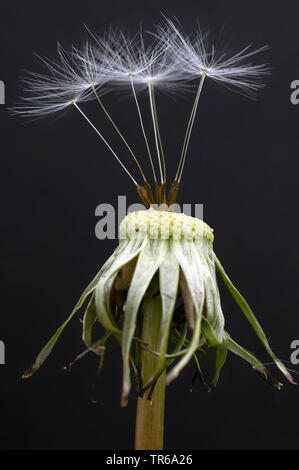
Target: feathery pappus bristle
[166,60]
[196,55]
[66,80]
[124,57]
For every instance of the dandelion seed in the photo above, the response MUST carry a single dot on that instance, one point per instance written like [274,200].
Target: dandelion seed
[64,82]
[123,57]
[75,77]
[128,62]
[196,58]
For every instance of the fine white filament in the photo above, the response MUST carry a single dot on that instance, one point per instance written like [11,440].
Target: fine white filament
[173,62]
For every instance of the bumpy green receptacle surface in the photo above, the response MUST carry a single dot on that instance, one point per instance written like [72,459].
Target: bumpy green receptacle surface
[162,224]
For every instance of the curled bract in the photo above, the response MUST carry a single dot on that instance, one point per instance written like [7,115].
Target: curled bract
[169,256]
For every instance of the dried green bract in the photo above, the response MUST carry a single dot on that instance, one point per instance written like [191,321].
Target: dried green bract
[169,256]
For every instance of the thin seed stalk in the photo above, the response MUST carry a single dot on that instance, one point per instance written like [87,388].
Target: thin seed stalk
[149,431]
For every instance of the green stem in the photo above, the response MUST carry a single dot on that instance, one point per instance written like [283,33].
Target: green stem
[150,413]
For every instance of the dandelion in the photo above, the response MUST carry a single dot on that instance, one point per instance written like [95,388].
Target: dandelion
[157,294]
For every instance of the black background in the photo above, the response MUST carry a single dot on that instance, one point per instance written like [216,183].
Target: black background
[243,166]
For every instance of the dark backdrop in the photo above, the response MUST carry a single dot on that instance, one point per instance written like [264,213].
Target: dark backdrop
[243,166]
